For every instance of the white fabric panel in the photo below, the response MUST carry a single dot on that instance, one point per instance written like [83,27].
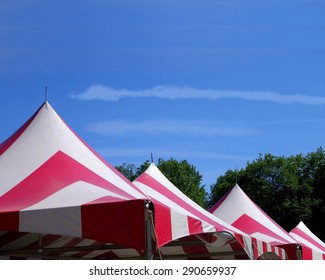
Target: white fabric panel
[248,244]
[179,224]
[76,194]
[207,227]
[62,221]
[317,255]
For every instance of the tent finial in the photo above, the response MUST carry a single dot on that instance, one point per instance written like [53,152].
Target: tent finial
[151,158]
[46,94]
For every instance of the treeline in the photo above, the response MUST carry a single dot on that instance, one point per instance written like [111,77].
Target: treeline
[289,189]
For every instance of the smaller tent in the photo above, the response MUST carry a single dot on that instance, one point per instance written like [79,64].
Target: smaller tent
[236,208]
[305,236]
[188,224]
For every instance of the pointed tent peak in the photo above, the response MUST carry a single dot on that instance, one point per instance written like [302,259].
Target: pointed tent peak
[152,169]
[301,224]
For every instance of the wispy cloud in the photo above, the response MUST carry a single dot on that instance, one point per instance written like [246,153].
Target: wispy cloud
[105,93]
[170,127]
[167,153]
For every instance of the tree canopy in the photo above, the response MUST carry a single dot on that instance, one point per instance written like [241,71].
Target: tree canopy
[288,189]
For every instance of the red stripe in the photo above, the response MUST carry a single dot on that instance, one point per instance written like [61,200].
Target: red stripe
[163,224]
[251,226]
[4,146]
[264,246]
[119,223]
[55,174]
[290,250]
[157,186]
[194,225]
[307,253]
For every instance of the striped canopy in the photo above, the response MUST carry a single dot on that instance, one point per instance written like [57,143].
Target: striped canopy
[60,199]
[314,248]
[186,218]
[239,210]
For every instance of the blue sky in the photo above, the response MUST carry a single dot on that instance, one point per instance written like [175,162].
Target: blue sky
[214,82]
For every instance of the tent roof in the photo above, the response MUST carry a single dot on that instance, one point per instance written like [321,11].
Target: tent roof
[60,199]
[306,237]
[240,211]
[54,183]
[185,217]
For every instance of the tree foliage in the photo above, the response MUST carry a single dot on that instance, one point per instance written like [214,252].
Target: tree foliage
[288,189]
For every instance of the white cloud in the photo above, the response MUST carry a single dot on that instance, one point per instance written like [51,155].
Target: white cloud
[170,127]
[100,92]
[167,153]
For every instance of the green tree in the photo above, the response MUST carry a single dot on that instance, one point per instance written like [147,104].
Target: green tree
[185,177]
[315,175]
[128,170]
[278,185]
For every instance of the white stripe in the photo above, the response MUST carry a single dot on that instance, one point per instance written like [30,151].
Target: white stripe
[317,255]
[62,221]
[248,245]
[179,225]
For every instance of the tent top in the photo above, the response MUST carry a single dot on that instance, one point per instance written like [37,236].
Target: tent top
[249,217]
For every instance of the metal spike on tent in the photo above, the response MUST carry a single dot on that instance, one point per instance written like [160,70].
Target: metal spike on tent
[46,94]
[151,158]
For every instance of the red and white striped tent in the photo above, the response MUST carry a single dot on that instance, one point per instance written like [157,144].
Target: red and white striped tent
[182,218]
[236,208]
[314,248]
[60,200]
[56,192]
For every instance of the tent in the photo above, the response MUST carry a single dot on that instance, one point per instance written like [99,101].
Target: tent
[236,208]
[56,192]
[305,236]
[182,220]
[60,200]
